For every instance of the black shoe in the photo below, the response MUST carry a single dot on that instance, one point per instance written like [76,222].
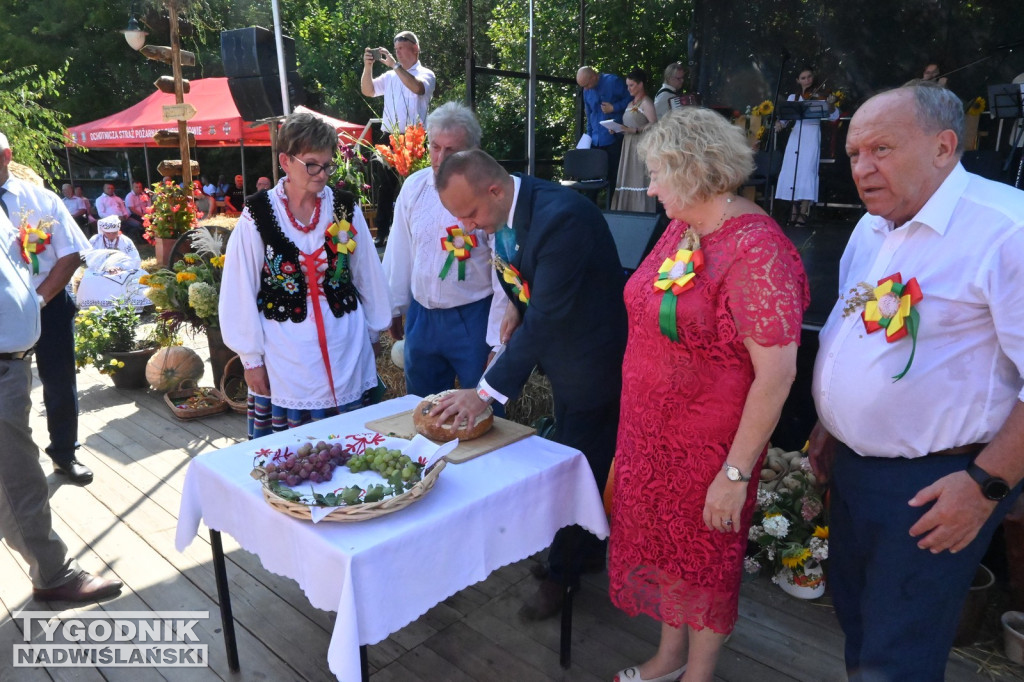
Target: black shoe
[76,472]
[545,602]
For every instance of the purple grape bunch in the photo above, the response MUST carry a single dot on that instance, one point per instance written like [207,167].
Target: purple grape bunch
[314,463]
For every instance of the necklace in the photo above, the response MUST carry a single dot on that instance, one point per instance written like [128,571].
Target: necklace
[313,221]
[691,237]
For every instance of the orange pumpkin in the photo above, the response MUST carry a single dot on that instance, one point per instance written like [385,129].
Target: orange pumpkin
[173,365]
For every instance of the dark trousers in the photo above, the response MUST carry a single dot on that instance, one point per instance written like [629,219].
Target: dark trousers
[898,605]
[384,184]
[614,151]
[592,432]
[55,360]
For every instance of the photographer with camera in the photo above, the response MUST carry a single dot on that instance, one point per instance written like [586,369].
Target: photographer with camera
[406,89]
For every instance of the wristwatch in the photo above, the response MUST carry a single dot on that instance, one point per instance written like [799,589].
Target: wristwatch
[992,487]
[733,473]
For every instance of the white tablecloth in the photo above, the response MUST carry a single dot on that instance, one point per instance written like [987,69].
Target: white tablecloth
[481,515]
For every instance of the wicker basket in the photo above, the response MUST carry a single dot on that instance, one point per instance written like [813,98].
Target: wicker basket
[356,512]
[187,389]
[227,387]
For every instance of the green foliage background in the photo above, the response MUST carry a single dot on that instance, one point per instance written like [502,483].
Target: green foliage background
[860,46]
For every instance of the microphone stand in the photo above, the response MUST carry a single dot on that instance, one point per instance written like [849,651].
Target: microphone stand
[769,186]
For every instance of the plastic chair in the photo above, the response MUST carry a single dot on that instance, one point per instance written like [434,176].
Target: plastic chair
[586,171]
[762,162]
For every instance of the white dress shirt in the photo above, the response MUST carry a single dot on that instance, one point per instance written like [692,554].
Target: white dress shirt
[402,106]
[108,204]
[290,350]
[75,204]
[966,249]
[40,204]
[414,256]
[492,336]
[19,303]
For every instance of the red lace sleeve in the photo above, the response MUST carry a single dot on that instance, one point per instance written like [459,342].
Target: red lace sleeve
[766,290]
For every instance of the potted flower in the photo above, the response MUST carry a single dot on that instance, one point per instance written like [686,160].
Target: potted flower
[188,293]
[171,214]
[789,532]
[106,339]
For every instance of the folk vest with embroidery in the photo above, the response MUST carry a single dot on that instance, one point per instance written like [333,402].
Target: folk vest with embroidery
[283,290]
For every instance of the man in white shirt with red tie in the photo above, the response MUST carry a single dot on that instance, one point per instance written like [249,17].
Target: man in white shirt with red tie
[918,384]
[441,279]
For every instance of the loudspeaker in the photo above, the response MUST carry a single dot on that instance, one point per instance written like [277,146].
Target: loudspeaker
[260,96]
[251,51]
[635,234]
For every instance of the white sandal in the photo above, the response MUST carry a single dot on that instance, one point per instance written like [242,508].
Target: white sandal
[632,674]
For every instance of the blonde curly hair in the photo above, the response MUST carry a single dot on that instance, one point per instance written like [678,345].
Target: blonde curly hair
[698,154]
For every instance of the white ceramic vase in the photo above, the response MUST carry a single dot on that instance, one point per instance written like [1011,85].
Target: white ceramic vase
[1013,635]
[810,585]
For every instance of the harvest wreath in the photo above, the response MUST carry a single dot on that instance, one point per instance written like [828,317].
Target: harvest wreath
[405,479]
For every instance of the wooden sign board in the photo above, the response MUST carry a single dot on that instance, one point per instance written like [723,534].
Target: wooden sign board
[169,138]
[173,168]
[162,53]
[165,84]
[179,112]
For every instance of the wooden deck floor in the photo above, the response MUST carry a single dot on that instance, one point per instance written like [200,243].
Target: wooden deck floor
[123,524]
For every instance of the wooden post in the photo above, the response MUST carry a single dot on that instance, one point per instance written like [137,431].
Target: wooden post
[179,95]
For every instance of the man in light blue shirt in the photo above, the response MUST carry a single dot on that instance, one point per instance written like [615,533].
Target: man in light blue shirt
[605,97]
[26,522]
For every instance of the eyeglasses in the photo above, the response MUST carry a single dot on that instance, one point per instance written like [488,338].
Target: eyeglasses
[315,168]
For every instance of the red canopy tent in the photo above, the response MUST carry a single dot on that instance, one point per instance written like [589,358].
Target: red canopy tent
[217,123]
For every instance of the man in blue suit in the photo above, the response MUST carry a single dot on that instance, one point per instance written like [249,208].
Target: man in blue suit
[561,272]
[605,97]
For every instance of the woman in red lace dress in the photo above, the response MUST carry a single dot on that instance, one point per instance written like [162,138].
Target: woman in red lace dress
[714,322]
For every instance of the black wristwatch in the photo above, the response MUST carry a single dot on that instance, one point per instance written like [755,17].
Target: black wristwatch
[992,487]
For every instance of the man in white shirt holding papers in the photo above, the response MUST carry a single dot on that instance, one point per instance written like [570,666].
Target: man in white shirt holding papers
[918,384]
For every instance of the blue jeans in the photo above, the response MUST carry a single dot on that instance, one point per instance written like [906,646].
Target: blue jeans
[55,360]
[898,605]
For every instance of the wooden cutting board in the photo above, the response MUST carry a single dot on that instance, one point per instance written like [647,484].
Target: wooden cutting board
[504,432]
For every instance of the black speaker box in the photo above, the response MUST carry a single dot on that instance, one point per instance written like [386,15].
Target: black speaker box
[260,96]
[251,51]
[635,234]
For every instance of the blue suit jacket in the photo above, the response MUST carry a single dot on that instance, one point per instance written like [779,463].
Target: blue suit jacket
[575,324]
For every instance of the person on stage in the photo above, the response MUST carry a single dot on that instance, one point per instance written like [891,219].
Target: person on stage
[798,178]
[303,290]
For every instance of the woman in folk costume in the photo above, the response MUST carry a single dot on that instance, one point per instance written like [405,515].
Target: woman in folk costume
[303,289]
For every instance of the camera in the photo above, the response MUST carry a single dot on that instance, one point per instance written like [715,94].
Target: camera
[378,53]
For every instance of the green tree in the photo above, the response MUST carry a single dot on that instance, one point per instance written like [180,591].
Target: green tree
[33,129]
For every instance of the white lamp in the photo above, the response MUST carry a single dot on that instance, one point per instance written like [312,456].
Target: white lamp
[134,34]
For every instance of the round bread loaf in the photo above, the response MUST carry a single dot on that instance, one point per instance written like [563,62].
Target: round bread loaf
[426,426]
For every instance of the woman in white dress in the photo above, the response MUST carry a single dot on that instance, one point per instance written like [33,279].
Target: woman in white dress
[112,269]
[303,289]
[798,177]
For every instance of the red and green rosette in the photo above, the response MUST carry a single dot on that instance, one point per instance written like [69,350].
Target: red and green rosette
[459,246]
[33,242]
[519,286]
[342,241]
[893,309]
[675,276]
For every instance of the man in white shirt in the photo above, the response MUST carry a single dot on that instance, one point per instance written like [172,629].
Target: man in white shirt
[440,278]
[406,89]
[109,204]
[918,384]
[26,522]
[52,263]
[77,206]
